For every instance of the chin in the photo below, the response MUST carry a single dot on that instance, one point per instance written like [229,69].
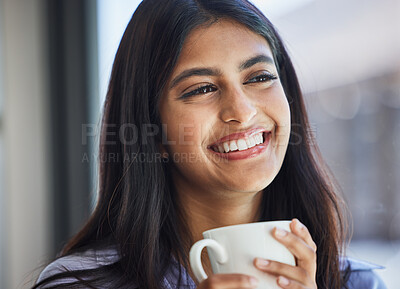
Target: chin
[254,185]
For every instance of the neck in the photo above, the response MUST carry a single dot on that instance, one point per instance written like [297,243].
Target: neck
[208,210]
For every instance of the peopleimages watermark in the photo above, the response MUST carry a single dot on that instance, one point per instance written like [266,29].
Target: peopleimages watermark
[184,157]
[130,134]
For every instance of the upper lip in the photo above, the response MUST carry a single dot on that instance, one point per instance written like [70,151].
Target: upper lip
[240,135]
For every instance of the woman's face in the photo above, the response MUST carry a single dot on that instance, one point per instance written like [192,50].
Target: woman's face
[224,111]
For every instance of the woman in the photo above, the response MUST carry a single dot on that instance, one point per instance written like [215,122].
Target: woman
[212,132]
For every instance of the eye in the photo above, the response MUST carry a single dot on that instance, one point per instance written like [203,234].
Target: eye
[264,77]
[201,90]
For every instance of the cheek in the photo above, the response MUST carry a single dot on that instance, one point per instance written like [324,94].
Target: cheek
[278,109]
[276,106]
[284,122]
[186,129]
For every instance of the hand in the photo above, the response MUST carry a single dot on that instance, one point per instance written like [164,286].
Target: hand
[228,281]
[300,243]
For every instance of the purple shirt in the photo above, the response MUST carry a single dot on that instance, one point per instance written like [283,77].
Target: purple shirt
[362,275]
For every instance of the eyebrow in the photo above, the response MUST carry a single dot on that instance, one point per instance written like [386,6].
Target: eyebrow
[208,71]
[254,60]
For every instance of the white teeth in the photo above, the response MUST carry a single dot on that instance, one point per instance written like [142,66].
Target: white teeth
[251,142]
[226,147]
[233,145]
[241,143]
[259,139]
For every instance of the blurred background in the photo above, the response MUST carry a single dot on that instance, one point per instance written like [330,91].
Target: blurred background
[55,62]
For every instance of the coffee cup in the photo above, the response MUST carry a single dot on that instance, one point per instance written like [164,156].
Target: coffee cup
[232,249]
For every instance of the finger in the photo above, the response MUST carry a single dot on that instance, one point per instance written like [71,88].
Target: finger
[228,281]
[290,284]
[300,249]
[276,268]
[300,230]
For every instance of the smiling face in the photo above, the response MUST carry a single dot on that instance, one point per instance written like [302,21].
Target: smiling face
[224,94]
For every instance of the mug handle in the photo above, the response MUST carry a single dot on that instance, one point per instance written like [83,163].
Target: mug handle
[195,256]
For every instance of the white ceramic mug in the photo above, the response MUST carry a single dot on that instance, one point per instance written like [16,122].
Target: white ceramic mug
[232,249]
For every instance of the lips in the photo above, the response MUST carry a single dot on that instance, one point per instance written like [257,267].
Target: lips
[242,144]
[239,135]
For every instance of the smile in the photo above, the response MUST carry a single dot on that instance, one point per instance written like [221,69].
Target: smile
[240,146]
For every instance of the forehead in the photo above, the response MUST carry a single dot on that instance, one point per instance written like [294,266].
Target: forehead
[223,41]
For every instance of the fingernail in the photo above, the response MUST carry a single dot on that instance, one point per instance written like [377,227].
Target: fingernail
[283,281]
[299,225]
[253,281]
[262,263]
[280,233]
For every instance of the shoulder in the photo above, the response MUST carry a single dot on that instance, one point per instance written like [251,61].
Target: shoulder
[90,259]
[361,274]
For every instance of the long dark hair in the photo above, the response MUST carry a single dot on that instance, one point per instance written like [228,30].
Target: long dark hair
[137,211]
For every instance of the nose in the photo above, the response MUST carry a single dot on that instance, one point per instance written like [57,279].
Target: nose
[237,106]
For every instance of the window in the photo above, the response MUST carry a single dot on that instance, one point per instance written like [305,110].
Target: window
[2,201]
